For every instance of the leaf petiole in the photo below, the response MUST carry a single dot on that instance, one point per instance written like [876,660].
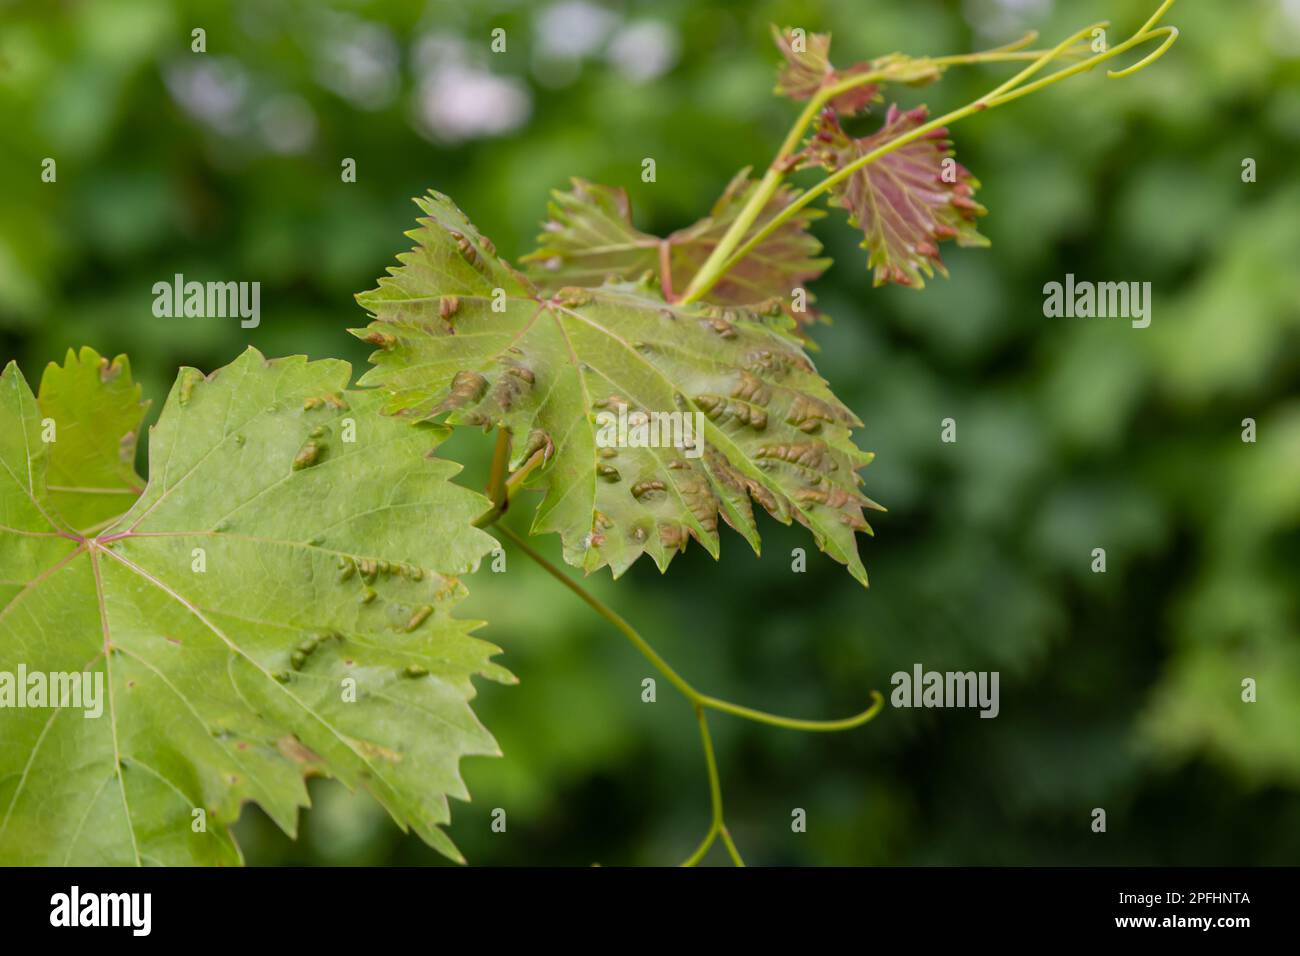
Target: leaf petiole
[497,491]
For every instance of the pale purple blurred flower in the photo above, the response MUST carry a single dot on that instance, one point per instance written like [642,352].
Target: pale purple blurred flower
[572,29]
[211,89]
[358,60]
[643,50]
[287,124]
[456,102]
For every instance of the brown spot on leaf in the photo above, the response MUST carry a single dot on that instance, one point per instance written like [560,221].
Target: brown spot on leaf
[651,488]
[419,617]
[310,454]
[293,748]
[466,387]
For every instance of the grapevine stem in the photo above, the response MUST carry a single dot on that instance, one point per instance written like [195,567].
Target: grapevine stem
[500,464]
[649,653]
[717,824]
[703,848]
[516,480]
[730,251]
[730,845]
[497,490]
[700,702]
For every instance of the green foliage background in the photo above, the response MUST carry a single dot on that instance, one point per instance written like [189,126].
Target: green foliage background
[1119,691]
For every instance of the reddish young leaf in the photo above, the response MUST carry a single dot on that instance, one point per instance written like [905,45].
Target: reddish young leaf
[808,70]
[905,202]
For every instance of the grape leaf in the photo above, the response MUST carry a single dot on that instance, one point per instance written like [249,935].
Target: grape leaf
[590,239]
[807,70]
[290,540]
[96,410]
[907,201]
[465,338]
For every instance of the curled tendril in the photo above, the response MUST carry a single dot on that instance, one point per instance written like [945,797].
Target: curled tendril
[1049,56]
[1170,34]
[1147,31]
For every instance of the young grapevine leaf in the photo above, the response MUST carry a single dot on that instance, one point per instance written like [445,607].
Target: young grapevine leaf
[96,411]
[905,202]
[463,336]
[589,239]
[276,604]
[807,71]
